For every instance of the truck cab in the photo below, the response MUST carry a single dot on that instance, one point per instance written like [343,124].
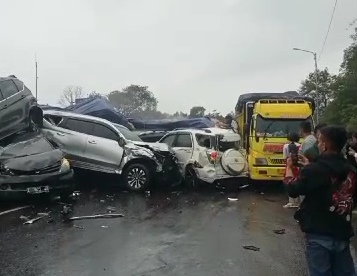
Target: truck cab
[265,120]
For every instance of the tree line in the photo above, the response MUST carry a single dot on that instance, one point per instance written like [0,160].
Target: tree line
[337,93]
[134,101]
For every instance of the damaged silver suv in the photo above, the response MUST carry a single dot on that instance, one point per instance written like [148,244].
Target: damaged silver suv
[96,144]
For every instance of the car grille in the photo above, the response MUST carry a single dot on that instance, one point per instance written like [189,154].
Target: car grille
[277,161]
[50,169]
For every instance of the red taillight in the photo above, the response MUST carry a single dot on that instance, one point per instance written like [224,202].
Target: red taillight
[213,155]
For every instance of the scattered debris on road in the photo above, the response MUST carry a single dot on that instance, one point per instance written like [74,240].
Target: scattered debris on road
[31,221]
[251,247]
[279,231]
[232,199]
[97,216]
[105,226]
[111,209]
[78,227]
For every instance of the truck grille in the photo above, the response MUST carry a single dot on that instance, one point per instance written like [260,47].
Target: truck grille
[277,161]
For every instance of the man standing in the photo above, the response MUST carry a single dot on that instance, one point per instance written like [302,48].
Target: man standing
[230,123]
[328,185]
[309,145]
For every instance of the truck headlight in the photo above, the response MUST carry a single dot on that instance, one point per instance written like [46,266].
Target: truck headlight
[261,161]
[65,167]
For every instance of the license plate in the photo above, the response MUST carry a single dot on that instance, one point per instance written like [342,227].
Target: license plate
[38,190]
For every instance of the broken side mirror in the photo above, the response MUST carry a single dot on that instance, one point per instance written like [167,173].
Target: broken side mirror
[36,116]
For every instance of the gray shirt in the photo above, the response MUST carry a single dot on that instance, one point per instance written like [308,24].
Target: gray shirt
[309,142]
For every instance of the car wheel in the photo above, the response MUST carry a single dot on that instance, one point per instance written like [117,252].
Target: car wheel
[191,180]
[137,177]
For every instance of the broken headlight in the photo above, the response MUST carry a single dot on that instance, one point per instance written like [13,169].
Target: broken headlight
[65,167]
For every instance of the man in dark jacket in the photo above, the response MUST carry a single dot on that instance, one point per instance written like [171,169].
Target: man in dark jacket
[328,185]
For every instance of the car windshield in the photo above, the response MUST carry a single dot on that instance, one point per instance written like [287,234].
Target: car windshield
[278,127]
[128,134]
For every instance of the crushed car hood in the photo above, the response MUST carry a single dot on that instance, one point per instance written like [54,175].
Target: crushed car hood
[29,152]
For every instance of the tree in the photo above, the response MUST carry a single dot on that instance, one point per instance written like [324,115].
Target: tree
[95,94]
[133,99]
[197,111]
[343,108]
[326,82]
[70,95]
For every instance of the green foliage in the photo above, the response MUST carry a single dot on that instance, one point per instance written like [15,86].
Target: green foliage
[338,101]
[197,111]
[133,99]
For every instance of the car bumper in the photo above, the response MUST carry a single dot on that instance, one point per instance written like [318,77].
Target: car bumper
[267,173]
[17,185]
[210,176]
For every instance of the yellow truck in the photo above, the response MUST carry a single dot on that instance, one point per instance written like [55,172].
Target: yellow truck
[265,120]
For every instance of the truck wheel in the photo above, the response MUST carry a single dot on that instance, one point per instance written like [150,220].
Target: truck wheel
[137,177]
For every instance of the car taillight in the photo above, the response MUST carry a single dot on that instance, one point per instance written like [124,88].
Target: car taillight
[212,156]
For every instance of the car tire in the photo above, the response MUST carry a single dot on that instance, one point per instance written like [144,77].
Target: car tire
[137,177]
[191,180]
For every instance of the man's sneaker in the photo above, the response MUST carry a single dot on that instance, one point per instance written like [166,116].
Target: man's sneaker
[291,205]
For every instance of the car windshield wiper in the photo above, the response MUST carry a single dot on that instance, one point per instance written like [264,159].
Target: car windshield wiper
[267,128]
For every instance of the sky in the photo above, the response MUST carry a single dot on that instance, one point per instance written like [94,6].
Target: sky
[188,52]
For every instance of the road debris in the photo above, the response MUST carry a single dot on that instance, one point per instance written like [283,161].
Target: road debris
[22,217]
[111,209]
[14,210]
[102,201]
[279,231]
[251,247]
[31,221]
[105,226]
[244,186]
[110,197]
[232,199]
[78,227]
[97,216]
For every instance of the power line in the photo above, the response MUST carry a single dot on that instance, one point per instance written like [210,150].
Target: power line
[328,30]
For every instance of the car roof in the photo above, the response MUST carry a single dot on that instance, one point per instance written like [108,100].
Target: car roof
[75,115]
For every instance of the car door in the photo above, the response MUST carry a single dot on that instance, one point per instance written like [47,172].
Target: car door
[102,148]
[183,148]
[12,109]
[70,135]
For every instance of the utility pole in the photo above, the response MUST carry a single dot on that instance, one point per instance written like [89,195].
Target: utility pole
[36,75]
[316,82]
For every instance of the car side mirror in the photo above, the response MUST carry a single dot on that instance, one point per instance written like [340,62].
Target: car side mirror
[36,116]
[121,142]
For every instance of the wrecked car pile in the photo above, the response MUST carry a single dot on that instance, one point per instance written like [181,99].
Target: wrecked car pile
[29,163]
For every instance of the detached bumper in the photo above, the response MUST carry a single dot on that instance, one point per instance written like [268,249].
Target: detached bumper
[267,173]
[17,185]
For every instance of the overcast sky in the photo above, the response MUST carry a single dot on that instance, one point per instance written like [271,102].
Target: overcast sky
[189,52]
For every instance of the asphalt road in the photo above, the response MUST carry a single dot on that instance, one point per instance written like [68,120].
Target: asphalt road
[165,233]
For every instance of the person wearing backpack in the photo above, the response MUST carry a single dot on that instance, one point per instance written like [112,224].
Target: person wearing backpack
[328,185]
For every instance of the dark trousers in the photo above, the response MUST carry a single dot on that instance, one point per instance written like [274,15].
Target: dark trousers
[327,256]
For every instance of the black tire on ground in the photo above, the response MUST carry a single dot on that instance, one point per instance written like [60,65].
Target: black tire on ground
[191,181]
[137,177]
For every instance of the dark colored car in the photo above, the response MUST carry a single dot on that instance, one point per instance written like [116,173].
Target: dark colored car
[18,107]
[152,136]
[32,165]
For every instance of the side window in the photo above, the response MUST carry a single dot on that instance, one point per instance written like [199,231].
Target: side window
[79,126]
[8,88]
[204,140]
[183,141]
[168,140]
[19,84]
[53,119]
[104,132]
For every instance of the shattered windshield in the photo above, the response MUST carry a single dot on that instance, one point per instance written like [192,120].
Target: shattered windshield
[128,134]
[278,127]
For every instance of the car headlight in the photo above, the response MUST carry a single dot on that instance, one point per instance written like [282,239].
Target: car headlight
[261,161]
[65,167]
